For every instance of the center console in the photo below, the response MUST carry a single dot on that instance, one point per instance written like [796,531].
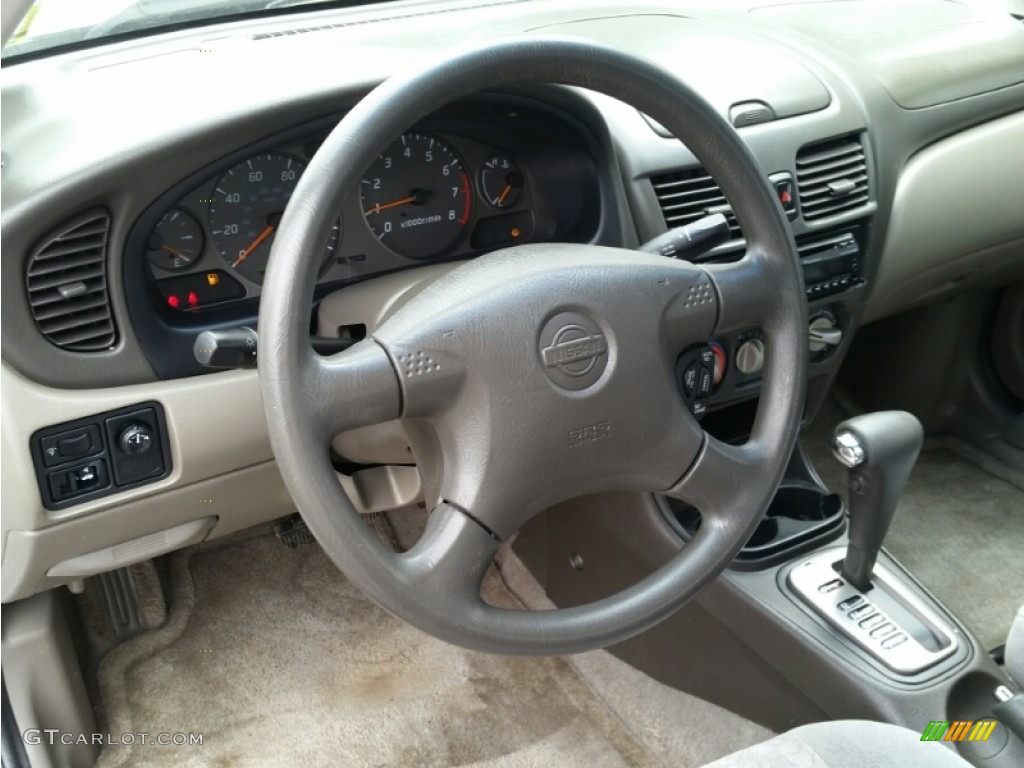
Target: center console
[813,621]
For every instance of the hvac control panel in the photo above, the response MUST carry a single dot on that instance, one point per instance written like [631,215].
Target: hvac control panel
[99,455]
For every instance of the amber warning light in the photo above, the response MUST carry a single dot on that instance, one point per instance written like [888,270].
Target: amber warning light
[200,289]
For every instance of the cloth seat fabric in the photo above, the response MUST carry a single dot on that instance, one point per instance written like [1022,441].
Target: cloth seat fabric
[845,744]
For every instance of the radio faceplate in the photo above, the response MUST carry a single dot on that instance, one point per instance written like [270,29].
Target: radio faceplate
[831,262]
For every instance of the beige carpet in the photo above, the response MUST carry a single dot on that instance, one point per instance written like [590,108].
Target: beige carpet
[958,528]
[278,661]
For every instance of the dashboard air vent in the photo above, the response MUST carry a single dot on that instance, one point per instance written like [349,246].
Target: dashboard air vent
[66,280]
[831,177]
[685,196]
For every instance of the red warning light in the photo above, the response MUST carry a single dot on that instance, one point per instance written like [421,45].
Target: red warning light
[174,301]
[193,300]
[785,197]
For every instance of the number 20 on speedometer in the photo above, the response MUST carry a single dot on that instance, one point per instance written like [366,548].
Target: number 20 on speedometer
[416,197]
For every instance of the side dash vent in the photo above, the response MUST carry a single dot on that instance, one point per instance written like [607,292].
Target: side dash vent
[66,278]
[686,196]
[831,178]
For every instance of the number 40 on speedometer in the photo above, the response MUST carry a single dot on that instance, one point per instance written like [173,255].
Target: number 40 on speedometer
[416,197]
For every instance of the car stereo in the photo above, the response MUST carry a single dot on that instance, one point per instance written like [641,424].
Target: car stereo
[831,263]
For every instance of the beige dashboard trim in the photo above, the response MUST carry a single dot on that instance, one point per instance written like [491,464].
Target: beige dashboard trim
[222,462]
[930,253]
[220,449]
[216,425]
[237,500]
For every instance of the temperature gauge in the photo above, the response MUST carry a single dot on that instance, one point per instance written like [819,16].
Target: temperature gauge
[501,182]
[176,242]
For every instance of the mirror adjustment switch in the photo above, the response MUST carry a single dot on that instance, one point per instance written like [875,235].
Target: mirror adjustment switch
[135,449]
[135,439]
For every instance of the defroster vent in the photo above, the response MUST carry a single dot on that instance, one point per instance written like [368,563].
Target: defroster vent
[686,196]
[831,178]
[66,280]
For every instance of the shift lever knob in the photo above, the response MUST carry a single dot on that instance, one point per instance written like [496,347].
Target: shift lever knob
[879,449]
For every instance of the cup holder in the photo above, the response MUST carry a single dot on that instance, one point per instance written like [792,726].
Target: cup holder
[799,513]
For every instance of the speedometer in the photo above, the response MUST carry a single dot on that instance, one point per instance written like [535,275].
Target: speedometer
[416,197]
[246,209]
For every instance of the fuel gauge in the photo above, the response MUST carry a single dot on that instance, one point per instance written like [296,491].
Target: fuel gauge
[501,182]
[176,242]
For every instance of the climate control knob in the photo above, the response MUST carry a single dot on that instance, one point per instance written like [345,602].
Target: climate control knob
[823,333]
[750,356]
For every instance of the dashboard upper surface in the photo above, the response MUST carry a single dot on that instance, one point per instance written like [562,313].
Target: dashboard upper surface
[65,154]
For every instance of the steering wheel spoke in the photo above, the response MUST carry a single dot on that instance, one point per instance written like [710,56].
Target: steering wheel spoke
[712,481]
[450,558]
[353,388]
[747,291]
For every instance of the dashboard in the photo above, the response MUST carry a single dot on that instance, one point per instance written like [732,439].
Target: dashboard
[126,235]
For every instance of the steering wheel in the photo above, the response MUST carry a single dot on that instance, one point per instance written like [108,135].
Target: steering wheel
[540,372]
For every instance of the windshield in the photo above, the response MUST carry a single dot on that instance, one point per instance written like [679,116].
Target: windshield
[53,24]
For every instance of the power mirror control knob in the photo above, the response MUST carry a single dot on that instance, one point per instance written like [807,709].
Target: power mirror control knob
[750,356]
[135,439]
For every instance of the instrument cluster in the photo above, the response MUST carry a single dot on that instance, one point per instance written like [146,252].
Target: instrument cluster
[436,193]
[478,175]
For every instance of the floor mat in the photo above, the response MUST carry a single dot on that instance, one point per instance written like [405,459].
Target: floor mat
[958,528]
[276,659]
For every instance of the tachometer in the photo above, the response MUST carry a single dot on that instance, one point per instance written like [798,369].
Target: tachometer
[416,197]
[246,210]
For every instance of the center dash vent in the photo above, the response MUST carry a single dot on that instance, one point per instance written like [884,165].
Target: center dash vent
[831,177]
[686,196]
[66,280]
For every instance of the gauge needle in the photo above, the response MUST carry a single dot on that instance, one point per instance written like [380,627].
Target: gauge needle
[254,245]
[416,197]
[393,204]
[504,194]
[173,251]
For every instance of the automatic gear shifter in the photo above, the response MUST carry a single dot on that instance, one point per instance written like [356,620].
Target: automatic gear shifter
[879,449]
[875,608]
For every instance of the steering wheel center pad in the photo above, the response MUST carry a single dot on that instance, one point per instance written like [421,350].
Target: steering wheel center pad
[537,369]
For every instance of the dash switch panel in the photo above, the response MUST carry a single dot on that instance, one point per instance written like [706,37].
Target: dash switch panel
[100,455]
